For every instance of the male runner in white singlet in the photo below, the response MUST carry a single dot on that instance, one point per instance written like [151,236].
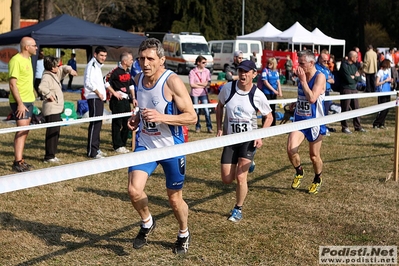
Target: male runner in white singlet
[165,106]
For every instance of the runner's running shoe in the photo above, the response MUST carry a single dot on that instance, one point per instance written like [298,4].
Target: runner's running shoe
[236,215]
[297,181]
[315,187]
[181,245]
[141,238]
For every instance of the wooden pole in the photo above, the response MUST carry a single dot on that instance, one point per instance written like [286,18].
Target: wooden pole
[396,157]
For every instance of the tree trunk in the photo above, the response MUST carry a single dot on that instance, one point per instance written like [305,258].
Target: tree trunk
[16,14]
[49,9]
[41,10]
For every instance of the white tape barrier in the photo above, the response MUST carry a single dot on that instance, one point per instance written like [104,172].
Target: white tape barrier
[50,175]
[63,123]
[197,106]
[327,98]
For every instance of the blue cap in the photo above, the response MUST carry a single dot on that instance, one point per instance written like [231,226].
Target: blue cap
[247,65]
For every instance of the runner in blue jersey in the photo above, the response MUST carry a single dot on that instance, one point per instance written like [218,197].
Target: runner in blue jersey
[165,106]
[310,104]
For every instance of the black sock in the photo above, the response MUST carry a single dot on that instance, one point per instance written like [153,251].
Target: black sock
[317,178]
[238,207]
[299,170]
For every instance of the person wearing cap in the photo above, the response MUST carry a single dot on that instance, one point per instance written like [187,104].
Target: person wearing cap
[231,71]
[310,105]
[241,100]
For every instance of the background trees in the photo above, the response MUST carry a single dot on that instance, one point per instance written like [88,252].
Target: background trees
[359,22]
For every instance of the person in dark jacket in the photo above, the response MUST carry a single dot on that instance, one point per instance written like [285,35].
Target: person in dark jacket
[232,70]
[350,76]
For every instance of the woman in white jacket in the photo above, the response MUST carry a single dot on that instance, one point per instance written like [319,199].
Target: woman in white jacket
[53,102]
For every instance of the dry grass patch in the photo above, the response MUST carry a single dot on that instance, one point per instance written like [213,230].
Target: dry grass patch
[90,220]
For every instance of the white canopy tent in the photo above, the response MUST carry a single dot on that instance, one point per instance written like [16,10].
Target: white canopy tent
[327,40]
[296,34]
[264,34]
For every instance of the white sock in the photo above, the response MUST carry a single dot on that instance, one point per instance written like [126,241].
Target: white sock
[183,233]
[147,223]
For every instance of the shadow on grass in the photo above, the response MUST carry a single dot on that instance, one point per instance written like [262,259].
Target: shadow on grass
[52,235]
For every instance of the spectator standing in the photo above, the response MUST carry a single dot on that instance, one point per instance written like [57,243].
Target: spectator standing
[395,57]
[161,124]
[22,97]
[380,58]
[271,85]
[200,79]
[383,84]
[231,70]
[95,94]
[331,63]
[389,56]
[288,68]
[359,61]
[322,66]
[394,72]
[370,68]
[53,102]
[253,58]
[39,72]
[349,77]
[136,69]
[120,85]
[236,159]
[72,63]
[311,88]
[61,63]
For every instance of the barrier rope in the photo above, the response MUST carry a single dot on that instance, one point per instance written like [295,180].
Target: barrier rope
[196,106]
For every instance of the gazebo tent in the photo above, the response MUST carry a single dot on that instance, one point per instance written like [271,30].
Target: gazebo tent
[264,34]
[297,34]
[65,31]
[327,40]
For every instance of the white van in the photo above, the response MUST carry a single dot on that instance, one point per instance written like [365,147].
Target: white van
[223,52]
[182,49]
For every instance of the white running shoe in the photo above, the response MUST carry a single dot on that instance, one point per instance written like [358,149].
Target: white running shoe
[122,150]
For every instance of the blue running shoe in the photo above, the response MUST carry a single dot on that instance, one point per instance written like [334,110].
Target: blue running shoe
[236,215]
[252,167]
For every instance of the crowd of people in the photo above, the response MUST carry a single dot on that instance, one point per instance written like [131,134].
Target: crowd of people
[165,106]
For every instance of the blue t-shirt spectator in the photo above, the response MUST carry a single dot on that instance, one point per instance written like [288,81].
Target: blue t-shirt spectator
[273,77]
[135,68]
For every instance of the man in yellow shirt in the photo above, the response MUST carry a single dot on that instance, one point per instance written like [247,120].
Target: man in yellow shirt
[22,97]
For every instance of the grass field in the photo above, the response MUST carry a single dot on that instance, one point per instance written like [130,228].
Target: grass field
[90,221]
